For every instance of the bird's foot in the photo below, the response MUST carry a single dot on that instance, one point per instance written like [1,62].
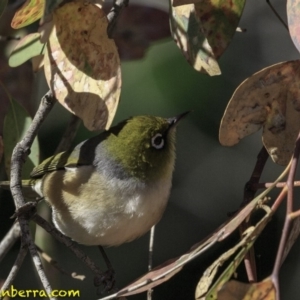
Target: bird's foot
[106,279]
[27,210]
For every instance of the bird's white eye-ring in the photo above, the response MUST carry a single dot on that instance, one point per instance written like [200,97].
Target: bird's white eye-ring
[158,141]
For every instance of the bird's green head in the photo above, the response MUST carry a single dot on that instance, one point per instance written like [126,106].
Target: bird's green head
[144,146]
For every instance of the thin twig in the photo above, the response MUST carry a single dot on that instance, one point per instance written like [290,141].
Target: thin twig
[104,278]
[263,185]
[249,193]
[9,240]
[106,259]
[277,15]
[279,199]
[56,265]
[150,258]
[113,15]
[19,155]
[251,186]
[151,244]
[67,242]
[288,222]
[295,214]
[109,274]
[15,269]
[250,265]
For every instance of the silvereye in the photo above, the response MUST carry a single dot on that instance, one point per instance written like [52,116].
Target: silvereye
[111,188]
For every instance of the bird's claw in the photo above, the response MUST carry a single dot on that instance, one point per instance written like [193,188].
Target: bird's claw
[27,210]
[106,279]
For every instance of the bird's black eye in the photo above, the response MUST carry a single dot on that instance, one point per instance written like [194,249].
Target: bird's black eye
[158,141]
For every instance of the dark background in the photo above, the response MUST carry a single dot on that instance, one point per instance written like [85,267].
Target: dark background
[209,178]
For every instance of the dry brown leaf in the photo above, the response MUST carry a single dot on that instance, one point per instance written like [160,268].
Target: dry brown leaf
[204,288]
[234,290]
[249,237]
[82,65]
[187,32]
[209,275]
[270,99]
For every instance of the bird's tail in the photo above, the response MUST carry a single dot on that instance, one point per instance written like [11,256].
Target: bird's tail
[27,187]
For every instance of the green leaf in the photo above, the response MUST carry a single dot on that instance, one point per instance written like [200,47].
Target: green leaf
[3,4]
[31,11]
[28,47]
[16,123]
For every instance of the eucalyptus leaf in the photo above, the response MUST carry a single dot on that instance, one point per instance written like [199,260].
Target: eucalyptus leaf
[27,48]
[186,30]
[28,13]
[293,14]
[16,123]
[82,65]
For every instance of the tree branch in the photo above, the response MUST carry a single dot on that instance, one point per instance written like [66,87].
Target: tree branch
[56,265]
[67,242]
[9,240]
[20,153]
[15,269]
[284,248]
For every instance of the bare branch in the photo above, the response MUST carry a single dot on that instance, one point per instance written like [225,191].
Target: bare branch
[67,242]
[250,190]
[277,15]
[15,269]
[19,155]
[55,264]
[9,240]
[263,185]
[251,186]
[283,249]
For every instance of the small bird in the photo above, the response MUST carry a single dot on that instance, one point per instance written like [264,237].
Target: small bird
[111,188]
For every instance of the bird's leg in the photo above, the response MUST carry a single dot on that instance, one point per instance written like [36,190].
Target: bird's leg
[107,277]
[106,259]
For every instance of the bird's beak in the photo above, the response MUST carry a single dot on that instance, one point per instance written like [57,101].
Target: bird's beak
[175,120]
